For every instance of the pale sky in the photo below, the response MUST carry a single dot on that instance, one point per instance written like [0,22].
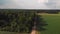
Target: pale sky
[29,4]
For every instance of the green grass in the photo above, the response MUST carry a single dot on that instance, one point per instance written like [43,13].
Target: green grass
[5,32]
[53,24]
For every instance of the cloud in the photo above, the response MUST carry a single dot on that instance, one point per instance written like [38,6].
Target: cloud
[58,4]
[51,4]
[28,4]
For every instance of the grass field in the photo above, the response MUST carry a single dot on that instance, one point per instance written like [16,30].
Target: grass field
[53,21]
[53,27]
[4,32]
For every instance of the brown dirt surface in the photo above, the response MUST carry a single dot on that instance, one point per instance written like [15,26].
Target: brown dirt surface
[35,32]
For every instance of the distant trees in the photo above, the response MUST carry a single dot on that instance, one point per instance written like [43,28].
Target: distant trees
[21,21]
[48,11]
[53,12]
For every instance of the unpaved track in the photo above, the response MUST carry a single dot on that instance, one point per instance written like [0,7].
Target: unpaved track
[35,32]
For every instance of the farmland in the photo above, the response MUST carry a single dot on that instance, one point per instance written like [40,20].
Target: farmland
[53,21]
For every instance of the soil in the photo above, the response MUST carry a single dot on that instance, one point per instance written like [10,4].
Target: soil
[35,32]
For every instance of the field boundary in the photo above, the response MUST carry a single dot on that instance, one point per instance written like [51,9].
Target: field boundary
[49,14]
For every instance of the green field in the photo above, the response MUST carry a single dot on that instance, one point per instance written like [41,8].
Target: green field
[53,24]
[4,32]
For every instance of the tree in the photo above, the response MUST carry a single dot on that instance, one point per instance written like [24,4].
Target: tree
[39,22]
[23,21]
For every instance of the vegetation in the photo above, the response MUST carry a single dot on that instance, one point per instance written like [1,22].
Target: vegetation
[53,27]
[53,21]
[21,21]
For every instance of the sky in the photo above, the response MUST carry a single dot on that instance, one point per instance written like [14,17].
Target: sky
[29,4]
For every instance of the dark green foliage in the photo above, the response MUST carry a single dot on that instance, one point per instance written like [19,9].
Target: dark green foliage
[39,22]
[3,20]
[21,21]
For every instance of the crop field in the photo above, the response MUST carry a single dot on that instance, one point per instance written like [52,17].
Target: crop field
[53,21]
[53,27]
